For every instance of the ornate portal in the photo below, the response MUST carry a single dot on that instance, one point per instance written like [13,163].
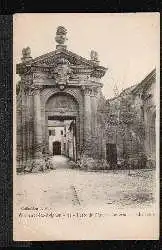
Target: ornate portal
[58,87]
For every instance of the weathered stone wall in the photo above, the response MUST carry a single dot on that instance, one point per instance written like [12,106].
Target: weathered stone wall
[130,123]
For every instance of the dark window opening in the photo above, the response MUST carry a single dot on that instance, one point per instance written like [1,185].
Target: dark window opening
[53,132]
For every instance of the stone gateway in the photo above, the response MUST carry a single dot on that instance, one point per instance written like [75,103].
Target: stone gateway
[60,87]
[61,110]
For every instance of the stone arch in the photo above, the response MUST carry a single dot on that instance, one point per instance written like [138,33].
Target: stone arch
[55,102]
[47,93]
[76,95]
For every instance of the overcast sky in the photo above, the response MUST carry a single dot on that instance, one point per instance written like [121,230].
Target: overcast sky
[127,44]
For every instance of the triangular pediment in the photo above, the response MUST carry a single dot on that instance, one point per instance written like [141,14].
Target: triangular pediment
[52,59]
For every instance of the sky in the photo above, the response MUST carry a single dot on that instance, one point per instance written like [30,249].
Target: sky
[127,44]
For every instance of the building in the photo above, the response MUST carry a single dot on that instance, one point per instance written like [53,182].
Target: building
[130,124]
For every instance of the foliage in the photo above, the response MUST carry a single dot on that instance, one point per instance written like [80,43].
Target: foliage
[125,118]
[88,163]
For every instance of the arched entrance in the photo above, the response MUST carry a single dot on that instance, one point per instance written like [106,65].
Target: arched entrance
[62,125]
[56,148]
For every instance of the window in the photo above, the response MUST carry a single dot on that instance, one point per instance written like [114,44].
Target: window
[61,132]
[53,132]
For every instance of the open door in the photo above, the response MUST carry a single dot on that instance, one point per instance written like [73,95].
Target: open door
[111,154]
[56,148]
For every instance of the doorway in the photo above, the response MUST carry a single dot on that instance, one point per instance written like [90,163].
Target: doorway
[56,148]
[64,140]
[111,154]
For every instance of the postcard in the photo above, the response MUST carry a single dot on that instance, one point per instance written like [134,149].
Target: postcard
[86,126]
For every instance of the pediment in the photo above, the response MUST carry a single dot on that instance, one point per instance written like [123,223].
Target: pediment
[51,60]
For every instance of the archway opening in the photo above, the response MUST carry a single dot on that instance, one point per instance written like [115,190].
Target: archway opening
[62,136]
[62,125]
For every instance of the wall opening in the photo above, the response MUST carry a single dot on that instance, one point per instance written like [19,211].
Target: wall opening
[111,154]
[62,123]
[56,148]
[62,136]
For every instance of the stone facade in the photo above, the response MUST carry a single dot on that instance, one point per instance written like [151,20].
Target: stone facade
[61,85]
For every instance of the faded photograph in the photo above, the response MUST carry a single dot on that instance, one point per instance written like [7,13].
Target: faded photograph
[86,122]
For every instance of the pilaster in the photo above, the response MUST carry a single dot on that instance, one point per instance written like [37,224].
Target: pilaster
[87,120]
[94,93]
[37,121]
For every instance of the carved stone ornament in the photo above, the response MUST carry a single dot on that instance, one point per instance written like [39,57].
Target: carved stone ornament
[34,89]
[26,82]
[86,90]
[94,91]
[26,52]
[61,35]
[61,87]
[94,55]
[39,76]
[61,75]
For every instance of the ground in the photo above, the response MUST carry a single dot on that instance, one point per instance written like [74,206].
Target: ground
[65,186]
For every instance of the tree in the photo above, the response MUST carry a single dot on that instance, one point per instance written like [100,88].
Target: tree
[125,120]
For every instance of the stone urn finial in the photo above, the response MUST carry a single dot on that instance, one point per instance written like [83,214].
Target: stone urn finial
[61,37]
[94,55]
[26,54]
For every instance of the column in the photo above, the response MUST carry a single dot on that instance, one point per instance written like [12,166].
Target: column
[37,123]
[28,125]
[94,140]
[46,136]
[31,125]
[24,129]
[87,121]
[87,111]
[94,111]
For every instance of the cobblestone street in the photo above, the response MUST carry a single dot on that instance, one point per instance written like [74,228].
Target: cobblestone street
[64,187]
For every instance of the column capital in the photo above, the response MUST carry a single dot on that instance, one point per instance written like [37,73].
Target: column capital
[94,91]
[34,90]
[86,90]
